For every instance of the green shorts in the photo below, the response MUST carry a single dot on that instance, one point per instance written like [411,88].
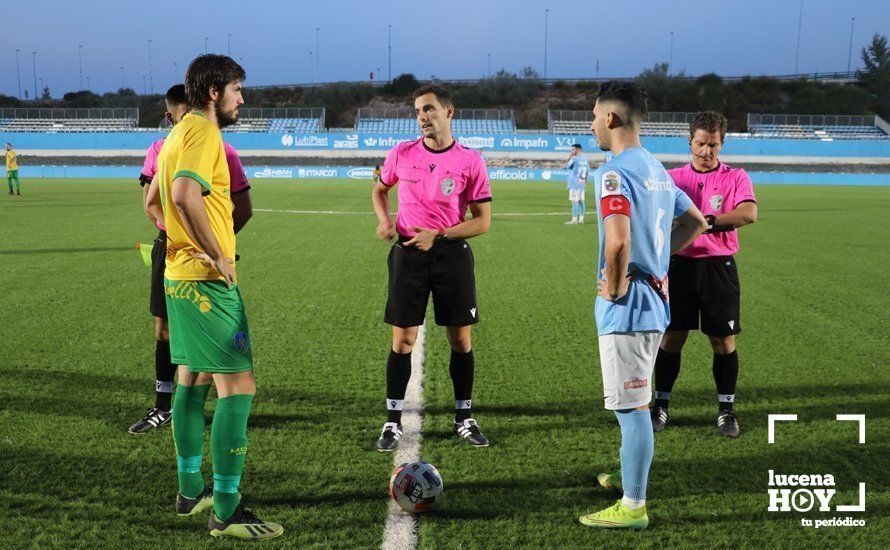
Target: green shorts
[208,327]
[12,174]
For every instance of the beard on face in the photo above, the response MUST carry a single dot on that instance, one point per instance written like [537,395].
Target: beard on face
[223,118]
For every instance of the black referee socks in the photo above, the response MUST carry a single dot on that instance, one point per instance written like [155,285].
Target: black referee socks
[461,369]
[667,368]
[164,372]
[726,374]
[398,373]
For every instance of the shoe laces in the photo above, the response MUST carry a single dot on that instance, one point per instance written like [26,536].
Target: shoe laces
[249,517]
[391,427]
[154,411]
[470,424]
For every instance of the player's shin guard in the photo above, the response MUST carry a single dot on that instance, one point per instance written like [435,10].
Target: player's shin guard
[637,450]
[165,370]
[398,373]
[228,442]
[188,437]
[667,368]
[462,368]
[726,375]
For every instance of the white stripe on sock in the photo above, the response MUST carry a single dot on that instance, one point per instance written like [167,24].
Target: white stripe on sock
[400,532]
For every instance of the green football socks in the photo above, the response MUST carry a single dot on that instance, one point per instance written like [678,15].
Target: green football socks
[228,442]
[188,436]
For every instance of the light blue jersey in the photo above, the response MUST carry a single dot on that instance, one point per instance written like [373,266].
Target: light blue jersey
[578,168]
[654,203]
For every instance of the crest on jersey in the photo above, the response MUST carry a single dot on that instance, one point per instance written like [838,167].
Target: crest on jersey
[611,183]
[716,202]
[241,341]
[447,186]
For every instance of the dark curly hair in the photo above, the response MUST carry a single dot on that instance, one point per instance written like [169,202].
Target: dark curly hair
[709,121]
[629,94]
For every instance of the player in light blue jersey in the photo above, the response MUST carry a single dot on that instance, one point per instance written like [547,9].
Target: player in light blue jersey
[576,183]
[637,205]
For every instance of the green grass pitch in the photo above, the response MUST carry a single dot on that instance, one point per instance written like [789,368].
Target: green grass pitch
[77,369]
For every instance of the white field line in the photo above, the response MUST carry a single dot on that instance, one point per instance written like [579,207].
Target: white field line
[400,532]
[368,213]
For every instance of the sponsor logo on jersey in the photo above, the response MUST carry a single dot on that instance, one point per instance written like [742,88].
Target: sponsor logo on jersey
[447,186]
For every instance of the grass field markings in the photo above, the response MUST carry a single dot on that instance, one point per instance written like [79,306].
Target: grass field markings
[400,532]
[348,213]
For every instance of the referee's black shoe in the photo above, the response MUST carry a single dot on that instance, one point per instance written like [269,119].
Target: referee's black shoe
[728,424]
[154,418]
[389,437]
[659,418]
[469,430]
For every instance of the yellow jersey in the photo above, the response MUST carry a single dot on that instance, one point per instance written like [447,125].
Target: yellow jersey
[11,163]
[194,149]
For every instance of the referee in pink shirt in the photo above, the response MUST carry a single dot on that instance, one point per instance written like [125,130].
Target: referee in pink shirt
[704,281]
[438,179]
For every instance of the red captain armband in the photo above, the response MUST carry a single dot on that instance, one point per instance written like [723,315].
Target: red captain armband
[614,204]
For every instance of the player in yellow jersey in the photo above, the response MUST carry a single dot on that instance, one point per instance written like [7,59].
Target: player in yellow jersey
[12,170]
[209,337]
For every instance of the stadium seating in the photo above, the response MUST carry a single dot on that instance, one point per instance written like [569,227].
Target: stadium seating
[276,125]
[825,132]
[657,124]
[67,125]
[466,121]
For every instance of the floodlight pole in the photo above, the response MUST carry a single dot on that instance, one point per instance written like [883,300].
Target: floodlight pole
[80,63]
[151,80]
[144,88]
[229,44]
[389,50]
[799,25]
[122,78]
[205,44]
[312,66]
[546,25]
[18,72]
[316,47]
[34,64]
[176,76]
[489,65]
[850,51]
[671,57]
[89,86]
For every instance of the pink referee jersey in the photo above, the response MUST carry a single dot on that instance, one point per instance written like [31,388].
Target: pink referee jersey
[435,186]
[715,192]
[236,169]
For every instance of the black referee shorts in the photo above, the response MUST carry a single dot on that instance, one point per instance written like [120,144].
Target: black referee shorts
[706,287]
[157,305]
[446,270]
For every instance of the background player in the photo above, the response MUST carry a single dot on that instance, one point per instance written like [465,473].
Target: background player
[577,184]
[208,325]
[375,175]
[637,204]
[177,107]
[704,277]
[439,179]
[12,170]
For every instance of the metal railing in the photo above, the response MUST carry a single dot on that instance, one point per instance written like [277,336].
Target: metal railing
[376,113]
[282,112]
[811,120]
[586,117]
[51,113]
